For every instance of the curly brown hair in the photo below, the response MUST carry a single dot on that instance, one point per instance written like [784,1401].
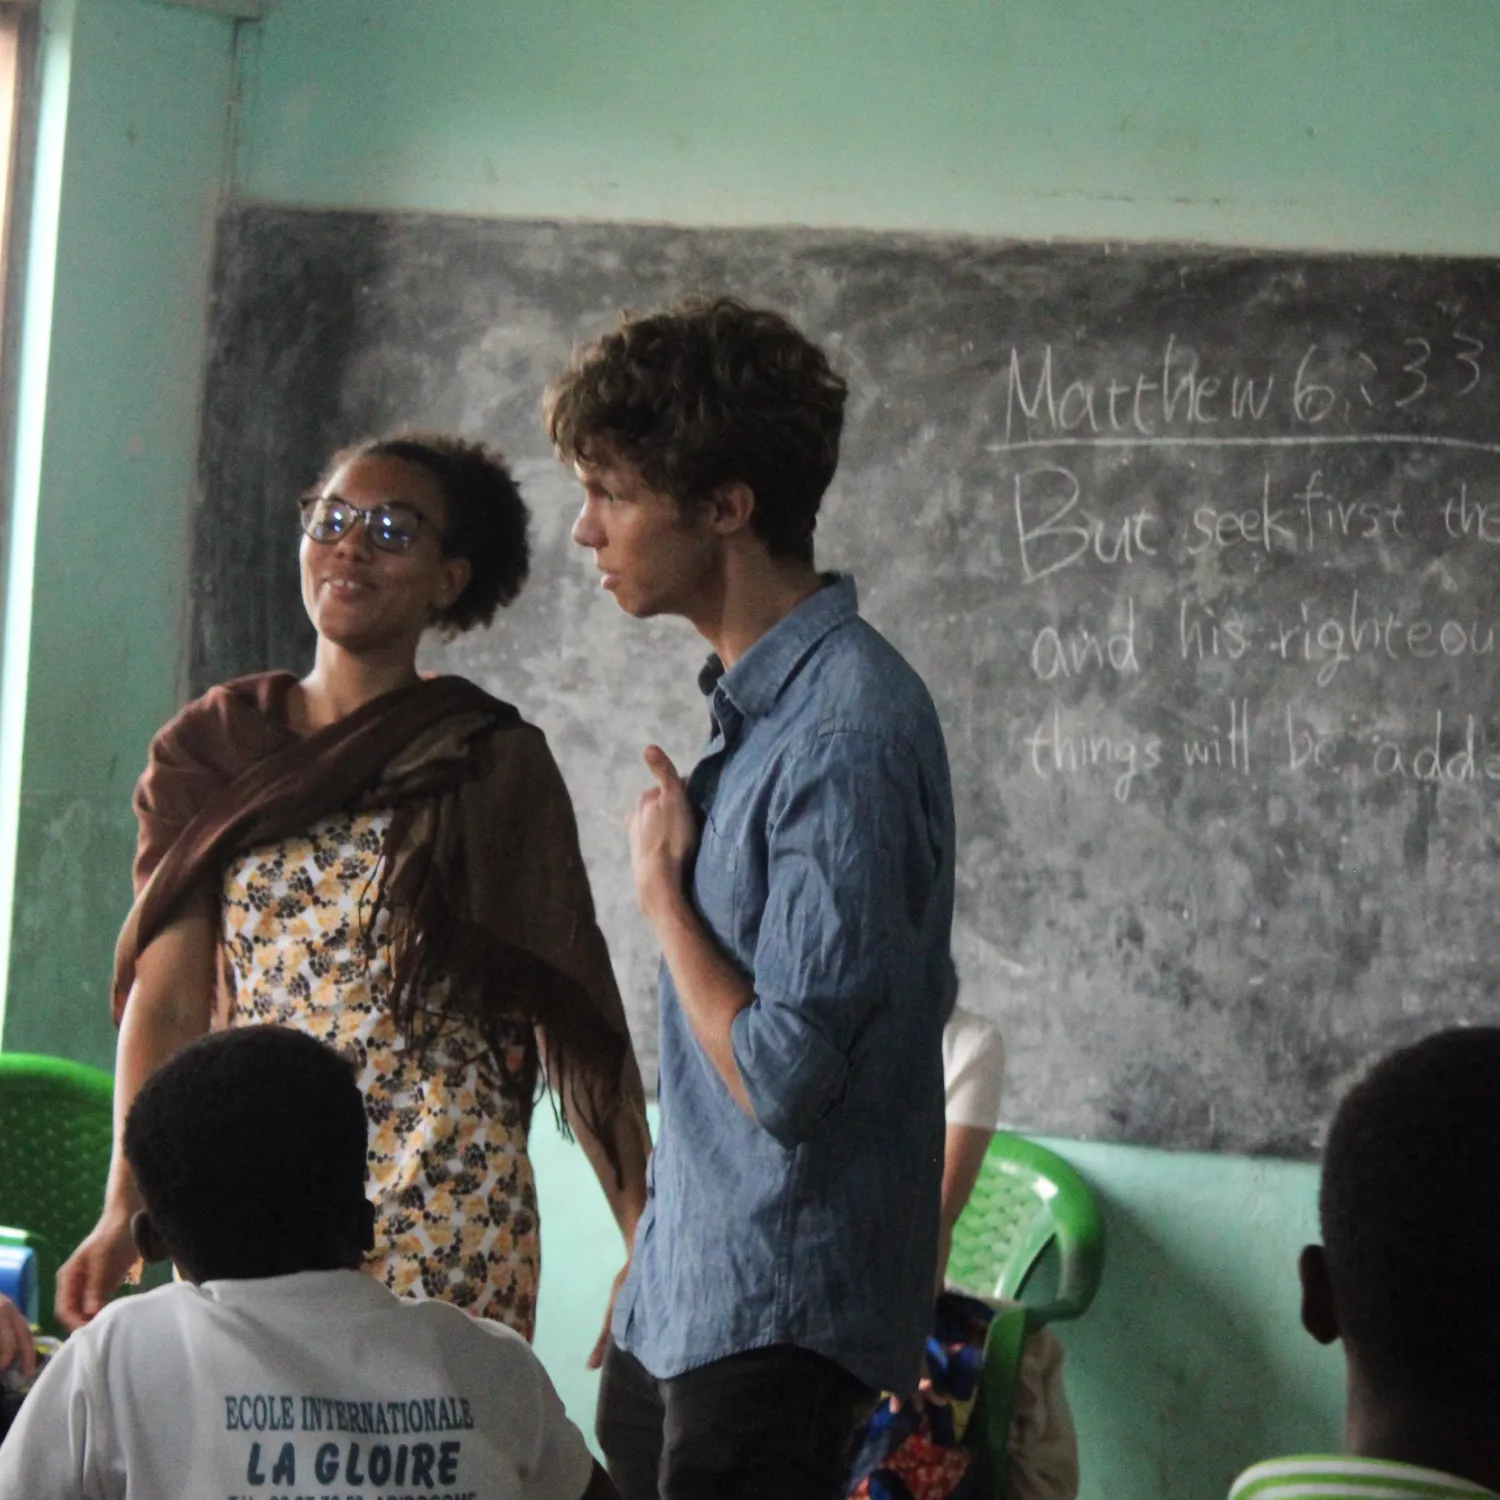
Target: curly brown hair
[703,394]
[488,522]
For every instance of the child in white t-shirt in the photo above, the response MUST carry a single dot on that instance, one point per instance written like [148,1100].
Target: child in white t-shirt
[276,1367]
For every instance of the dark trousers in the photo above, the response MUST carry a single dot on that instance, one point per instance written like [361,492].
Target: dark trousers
[770,1424]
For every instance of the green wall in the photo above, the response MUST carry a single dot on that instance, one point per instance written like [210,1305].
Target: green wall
[1359,123]
[1191,1364]
[138,99]
[1326,124]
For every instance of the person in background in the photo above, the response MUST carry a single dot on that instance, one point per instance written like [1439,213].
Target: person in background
[389,863]
[914,1448]
[973,1074]
[1409,1209]
[275,1362]
[17,1348]
[800,883]
[18,1361]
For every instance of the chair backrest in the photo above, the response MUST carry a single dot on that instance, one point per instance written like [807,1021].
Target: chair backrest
[56,1131]
[1028,1198]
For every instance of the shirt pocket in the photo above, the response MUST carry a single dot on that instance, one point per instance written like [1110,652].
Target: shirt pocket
[716,885]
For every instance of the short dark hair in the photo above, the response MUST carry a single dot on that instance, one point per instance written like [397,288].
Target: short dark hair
[248,1147]
[1410,1211]
[706,393]
[488,522]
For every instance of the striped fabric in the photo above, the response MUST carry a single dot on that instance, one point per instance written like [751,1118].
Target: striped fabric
[1342,1477]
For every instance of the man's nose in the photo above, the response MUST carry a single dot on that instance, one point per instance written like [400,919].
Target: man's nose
[586,529]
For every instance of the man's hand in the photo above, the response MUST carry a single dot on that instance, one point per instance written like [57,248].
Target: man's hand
[663,835]
[596,1354]
[16,1346]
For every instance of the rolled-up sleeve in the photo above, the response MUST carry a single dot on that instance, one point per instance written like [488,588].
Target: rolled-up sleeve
[851,865]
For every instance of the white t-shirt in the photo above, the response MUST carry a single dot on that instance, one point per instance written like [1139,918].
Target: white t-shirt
[973,1070]
[317,1384]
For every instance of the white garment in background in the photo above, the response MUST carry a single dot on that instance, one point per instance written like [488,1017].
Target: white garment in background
[312,1384]
[973,1070]
[1043,1445]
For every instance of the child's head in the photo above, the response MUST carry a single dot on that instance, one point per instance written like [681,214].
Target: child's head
[1410,1211]
[248,1148]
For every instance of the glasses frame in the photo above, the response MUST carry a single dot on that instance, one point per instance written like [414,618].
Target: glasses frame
[362,516]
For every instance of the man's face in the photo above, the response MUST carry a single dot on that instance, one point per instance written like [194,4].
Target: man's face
[655,557]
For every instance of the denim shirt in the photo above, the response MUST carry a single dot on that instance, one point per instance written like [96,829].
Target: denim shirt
[824,872]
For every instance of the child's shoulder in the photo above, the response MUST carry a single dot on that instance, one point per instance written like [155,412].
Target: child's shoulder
[462,1341]
[120,1324]
[453,1323]
[133,1307]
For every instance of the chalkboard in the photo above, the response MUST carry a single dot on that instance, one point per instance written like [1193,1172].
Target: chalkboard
[1198,551]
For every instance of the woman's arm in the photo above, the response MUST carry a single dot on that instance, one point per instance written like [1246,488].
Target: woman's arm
[171,1003]
[624,1191]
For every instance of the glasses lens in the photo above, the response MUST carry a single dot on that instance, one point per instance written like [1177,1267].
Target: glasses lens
[394,527]
[326,520]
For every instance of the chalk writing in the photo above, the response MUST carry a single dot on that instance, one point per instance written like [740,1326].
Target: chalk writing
[1308,748]
[1332,640]
[1049,541]
[1056,751]
[1331,518]
[1261,526]
[1319,380]
[1201,633]
[1479,519]
[1219,748]
[1445,758]
[1063,654]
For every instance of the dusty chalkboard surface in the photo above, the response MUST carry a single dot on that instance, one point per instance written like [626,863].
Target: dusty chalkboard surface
[1198,551]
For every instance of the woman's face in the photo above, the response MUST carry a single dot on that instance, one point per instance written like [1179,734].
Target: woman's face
[366,599]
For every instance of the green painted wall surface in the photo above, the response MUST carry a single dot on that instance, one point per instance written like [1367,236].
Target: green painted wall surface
[1359,123]
[52,75]
[143,169]
[1191,1364]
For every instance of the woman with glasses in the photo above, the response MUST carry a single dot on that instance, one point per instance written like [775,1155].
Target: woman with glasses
[389,863]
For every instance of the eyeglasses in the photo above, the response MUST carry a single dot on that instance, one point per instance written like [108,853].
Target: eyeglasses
[392,527]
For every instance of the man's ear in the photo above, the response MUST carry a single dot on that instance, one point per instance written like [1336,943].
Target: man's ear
[147,1237]
[731,506]
[1319,1316]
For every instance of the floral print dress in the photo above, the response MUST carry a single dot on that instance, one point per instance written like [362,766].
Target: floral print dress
[454,1196]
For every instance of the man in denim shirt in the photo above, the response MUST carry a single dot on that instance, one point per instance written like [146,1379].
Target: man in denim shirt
[801,885]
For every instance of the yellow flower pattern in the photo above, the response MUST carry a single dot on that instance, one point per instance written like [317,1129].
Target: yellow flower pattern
[455,1201]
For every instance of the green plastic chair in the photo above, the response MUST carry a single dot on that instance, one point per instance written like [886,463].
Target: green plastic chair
[1027,1200]
[56,1132]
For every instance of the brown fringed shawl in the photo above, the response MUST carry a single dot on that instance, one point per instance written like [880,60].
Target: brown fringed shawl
[480,874]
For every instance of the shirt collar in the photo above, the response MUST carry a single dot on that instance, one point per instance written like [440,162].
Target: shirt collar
[754,682]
